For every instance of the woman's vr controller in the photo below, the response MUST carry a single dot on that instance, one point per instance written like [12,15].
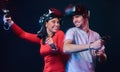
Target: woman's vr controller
[6,13]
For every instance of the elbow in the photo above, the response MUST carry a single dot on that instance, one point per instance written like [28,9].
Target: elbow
[66,49]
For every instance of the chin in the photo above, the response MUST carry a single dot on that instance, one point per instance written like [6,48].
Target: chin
[77,26]
[55,30]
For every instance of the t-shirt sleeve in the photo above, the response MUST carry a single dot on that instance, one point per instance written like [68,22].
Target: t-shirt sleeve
[69,34]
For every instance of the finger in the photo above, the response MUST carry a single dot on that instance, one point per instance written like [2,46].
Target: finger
[93,52]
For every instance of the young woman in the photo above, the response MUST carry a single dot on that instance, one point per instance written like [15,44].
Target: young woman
[50,38]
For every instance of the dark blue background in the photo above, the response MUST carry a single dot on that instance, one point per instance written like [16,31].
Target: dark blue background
[18,55]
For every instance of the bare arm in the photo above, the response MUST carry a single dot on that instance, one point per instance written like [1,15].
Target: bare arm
[20,32]
[69,47]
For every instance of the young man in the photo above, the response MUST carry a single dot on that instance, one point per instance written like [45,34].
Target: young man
[83,44]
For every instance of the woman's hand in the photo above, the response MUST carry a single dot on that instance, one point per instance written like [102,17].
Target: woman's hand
[49,40]
[8,20]
[51,43]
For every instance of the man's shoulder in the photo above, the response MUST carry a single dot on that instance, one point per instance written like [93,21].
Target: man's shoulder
[73,29]
[94,32]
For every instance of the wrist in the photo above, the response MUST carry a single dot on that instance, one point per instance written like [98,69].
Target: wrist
[11,23]
[90,46]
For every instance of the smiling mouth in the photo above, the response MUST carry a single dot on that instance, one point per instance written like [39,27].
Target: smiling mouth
[56,28]
[77,23]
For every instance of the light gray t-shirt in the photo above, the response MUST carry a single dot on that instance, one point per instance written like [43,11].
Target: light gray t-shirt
[81,61]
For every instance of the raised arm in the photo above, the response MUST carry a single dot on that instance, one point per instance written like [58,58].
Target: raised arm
[25,35]
[20,32]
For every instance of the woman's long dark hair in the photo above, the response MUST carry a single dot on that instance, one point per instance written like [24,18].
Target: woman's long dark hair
[42,33]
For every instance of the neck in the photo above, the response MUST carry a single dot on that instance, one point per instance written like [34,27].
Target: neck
[85,26]
[50,34]
[86,29]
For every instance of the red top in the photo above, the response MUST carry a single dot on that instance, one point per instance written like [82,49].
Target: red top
[54,60]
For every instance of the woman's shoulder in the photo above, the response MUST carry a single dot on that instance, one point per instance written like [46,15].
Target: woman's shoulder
[59,32]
